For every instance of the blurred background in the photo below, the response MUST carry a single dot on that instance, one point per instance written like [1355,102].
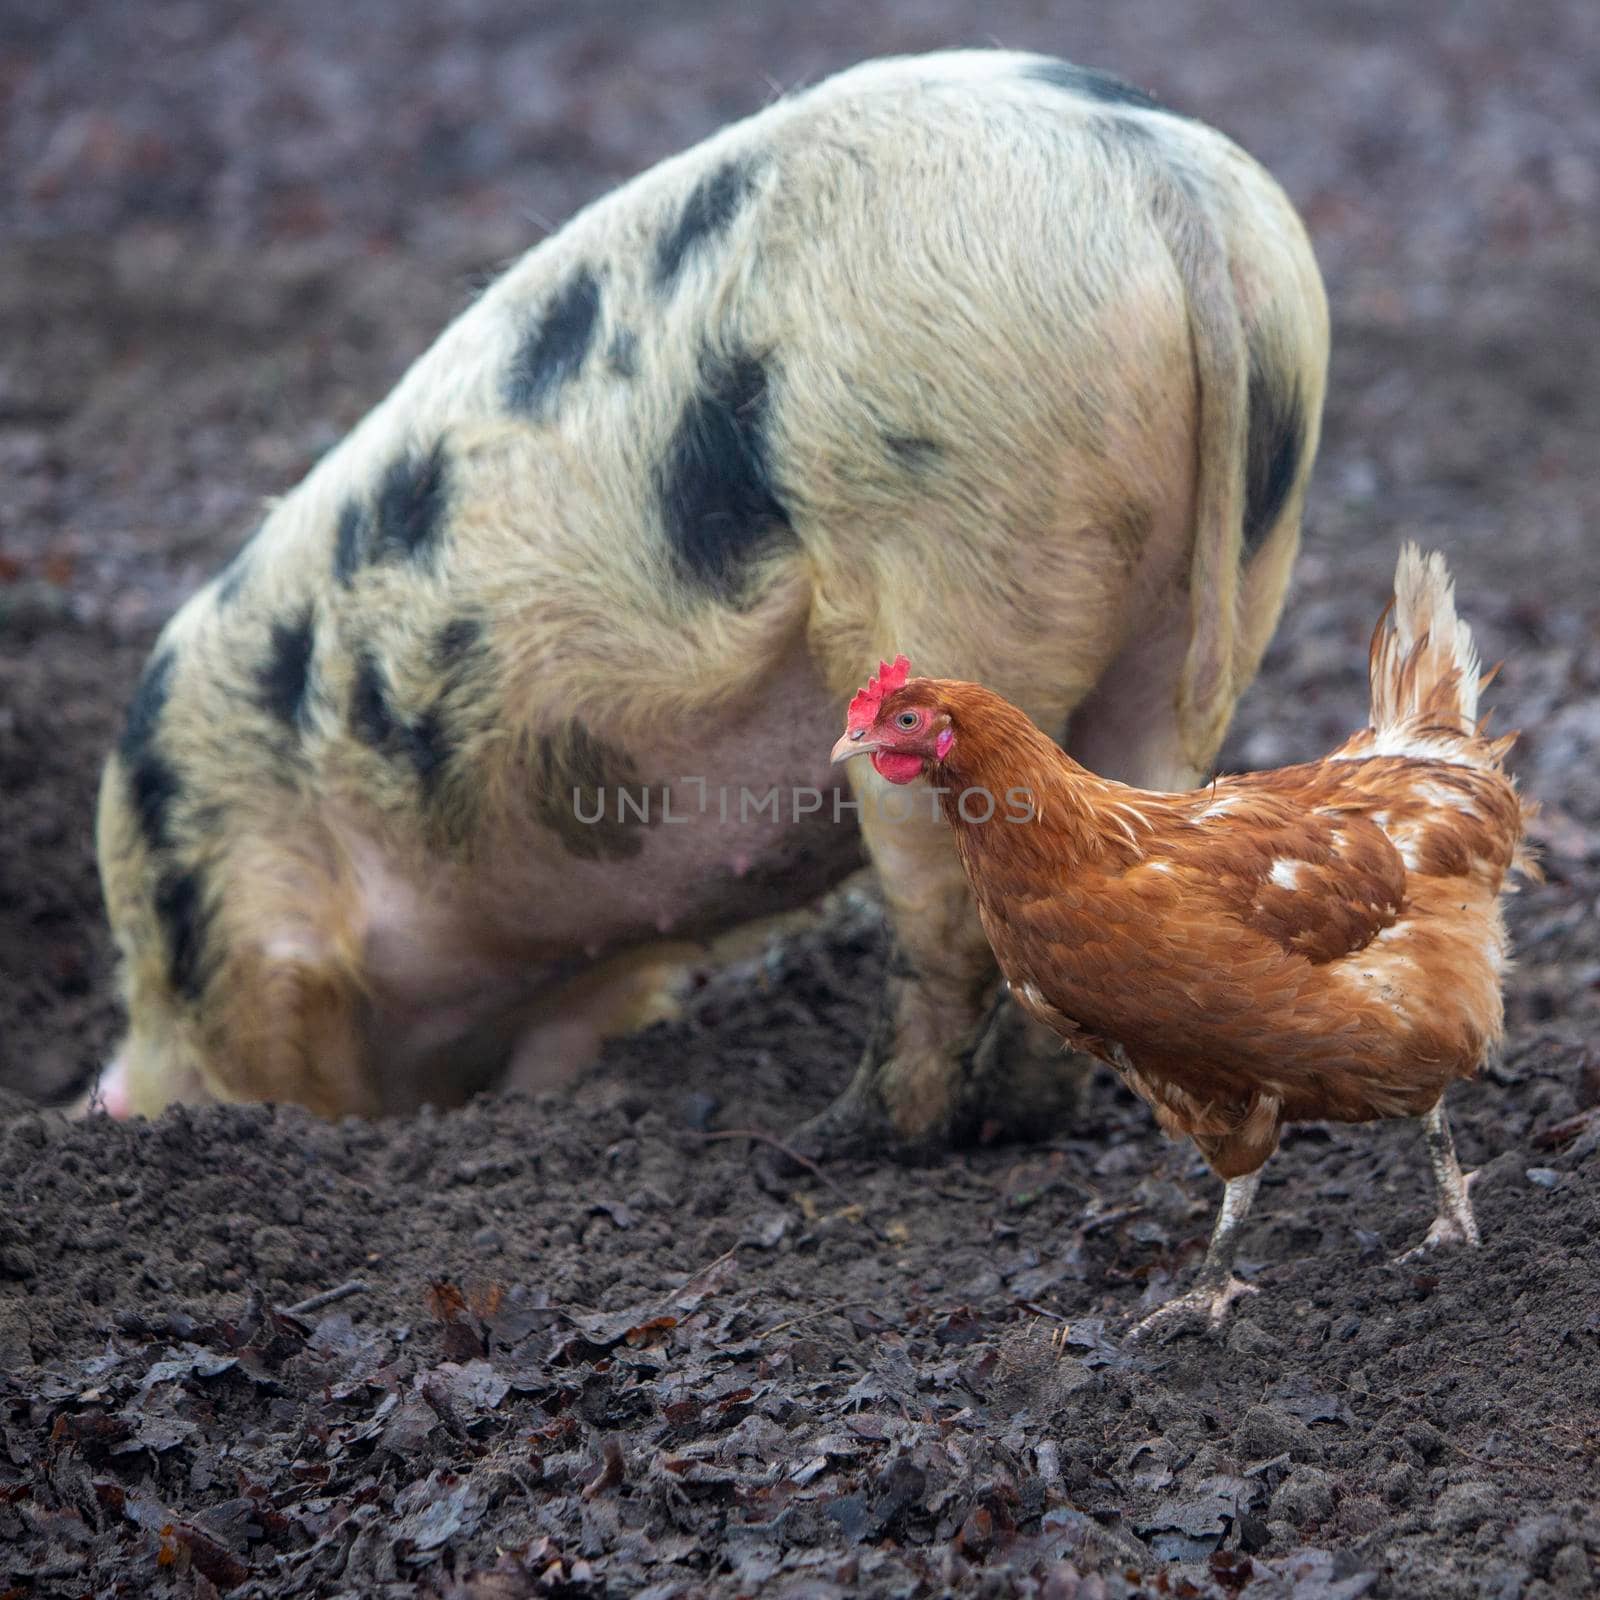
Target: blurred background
[226,228]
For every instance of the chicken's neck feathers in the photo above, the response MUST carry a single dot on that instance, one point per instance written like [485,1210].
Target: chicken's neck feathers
[1072,815]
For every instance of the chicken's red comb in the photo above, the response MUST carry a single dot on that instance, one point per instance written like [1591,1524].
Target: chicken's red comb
[863,710]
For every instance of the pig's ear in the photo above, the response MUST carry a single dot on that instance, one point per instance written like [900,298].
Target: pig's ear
[891,676]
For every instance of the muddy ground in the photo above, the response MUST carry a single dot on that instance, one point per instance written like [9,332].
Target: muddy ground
[587,1345]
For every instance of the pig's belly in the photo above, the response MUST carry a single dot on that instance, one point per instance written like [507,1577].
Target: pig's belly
[458,961]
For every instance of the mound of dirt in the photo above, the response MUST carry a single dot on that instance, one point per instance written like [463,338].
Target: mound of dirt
[590,1344]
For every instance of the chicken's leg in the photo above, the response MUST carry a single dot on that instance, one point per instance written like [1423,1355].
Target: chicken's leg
[1455,1223]
[1216,1288]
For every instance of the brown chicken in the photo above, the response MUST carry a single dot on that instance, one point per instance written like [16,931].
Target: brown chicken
[1318,942]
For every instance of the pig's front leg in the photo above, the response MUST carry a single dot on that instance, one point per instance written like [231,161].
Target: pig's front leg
[616,997]
[949,1057]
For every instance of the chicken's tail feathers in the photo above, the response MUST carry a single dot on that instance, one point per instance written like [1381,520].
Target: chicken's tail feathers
[1424,671]
[1426,682]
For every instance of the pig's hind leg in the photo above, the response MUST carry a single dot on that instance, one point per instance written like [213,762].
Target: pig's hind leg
[908,1089]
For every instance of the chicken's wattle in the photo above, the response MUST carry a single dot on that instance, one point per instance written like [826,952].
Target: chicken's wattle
[896,766]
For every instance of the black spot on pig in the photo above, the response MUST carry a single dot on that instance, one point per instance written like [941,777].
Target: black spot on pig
[152,788]
[425,744]
[352,540]
[912,452]
[372,718]
[553,351]
[145,709]
[1275,443]
[575,782]
[718,499]
[1124,132]
[428,745]
[1092,84]
[152,783]
[411,507]
[623,356]
[456,643]
[711,206]
[181,909]
[285,675]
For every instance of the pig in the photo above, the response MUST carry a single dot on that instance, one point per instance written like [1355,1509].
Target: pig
[978,356]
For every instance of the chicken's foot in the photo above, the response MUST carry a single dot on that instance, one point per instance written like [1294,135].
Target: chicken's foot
[1455,1223]
[1216,1288]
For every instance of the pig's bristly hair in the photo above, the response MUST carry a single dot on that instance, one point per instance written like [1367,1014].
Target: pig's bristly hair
[891,676]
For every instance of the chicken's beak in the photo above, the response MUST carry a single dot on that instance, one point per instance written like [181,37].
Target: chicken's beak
[853,743]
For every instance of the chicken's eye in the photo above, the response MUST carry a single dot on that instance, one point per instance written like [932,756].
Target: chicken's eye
[907,720]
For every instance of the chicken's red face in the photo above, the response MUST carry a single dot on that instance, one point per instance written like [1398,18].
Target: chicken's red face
[900,725]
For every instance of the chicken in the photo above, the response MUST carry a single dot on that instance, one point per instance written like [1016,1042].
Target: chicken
[1320,942]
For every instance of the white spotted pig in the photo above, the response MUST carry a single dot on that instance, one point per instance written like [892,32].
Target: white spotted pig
[977,356]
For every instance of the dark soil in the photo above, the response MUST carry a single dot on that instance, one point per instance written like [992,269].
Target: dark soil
[589,1345]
